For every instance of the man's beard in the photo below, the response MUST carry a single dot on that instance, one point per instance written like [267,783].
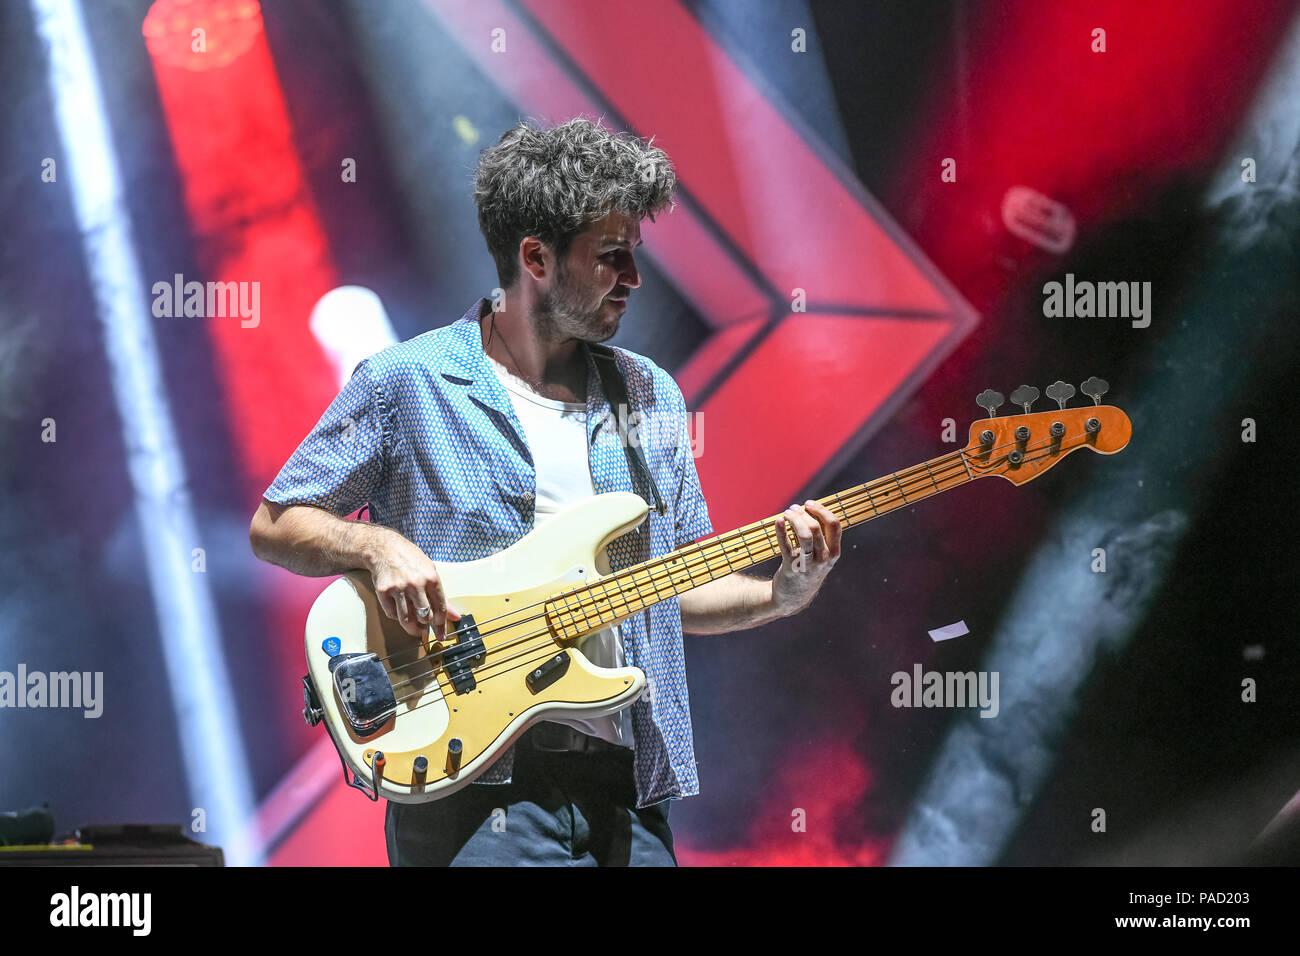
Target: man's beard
[562,314]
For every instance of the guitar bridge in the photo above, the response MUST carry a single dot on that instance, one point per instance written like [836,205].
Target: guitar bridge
[364,691]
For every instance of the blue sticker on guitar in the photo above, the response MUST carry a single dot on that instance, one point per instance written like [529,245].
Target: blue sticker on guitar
[331,646]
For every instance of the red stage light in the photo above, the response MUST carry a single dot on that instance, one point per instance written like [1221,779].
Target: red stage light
[228,29]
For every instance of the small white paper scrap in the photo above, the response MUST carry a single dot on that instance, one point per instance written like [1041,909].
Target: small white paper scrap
[949,632]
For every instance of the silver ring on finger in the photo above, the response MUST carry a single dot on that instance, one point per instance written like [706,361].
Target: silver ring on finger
[424,613]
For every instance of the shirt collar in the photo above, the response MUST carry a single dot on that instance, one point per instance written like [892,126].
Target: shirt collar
[464,359]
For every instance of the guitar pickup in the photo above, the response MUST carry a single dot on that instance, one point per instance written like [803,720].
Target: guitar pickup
[460,659]
[542,677]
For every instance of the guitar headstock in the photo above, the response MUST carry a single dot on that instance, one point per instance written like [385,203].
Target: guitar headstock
[1022,447]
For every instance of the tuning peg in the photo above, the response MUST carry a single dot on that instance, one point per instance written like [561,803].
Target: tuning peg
[990,401]
[1062,392]
[1025,396]
[1095,388]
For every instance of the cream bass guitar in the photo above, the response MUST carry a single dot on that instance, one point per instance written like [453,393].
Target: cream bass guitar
[415,719]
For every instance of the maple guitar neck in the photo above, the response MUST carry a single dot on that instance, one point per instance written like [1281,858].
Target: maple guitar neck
[1018,448]
[631,590]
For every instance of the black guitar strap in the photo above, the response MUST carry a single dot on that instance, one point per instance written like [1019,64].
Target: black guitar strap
[611,379]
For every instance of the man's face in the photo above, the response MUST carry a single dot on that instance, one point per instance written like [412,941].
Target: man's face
[589,291]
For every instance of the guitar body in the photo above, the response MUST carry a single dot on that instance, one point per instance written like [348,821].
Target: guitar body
[484,700]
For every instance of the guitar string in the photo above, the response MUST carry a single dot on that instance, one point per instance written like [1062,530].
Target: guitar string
[656,576]
[692,563]
[550,647]
[547,649]
[604,582]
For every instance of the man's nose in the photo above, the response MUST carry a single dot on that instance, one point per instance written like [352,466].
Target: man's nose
[629,276]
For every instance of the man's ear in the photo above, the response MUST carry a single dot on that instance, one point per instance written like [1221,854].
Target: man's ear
[538,259]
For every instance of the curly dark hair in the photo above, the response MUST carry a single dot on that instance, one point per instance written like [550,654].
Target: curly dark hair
[553,183]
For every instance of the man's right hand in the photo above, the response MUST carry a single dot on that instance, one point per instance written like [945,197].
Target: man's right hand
[407,583]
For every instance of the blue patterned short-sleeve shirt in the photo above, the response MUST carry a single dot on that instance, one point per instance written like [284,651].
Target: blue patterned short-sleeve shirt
[425,433]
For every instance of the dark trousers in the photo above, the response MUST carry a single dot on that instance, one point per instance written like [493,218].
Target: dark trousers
[560,809]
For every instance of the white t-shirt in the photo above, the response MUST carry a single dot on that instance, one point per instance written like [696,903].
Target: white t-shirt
[556,433]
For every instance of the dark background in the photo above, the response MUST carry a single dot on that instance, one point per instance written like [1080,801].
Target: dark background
[1200,527]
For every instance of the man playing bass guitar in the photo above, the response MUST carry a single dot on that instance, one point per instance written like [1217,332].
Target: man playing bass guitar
[464,439]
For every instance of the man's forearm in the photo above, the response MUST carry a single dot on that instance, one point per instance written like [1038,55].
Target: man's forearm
[733,603]
[311,541]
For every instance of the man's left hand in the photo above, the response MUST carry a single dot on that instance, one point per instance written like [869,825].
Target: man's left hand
[802,572]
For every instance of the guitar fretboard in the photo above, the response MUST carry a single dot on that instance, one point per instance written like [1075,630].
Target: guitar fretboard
[629,591]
